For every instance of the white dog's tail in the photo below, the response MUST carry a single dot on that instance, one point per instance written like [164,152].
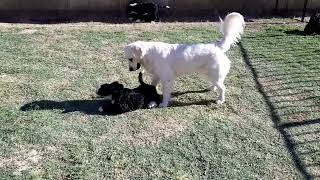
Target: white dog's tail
[232,27]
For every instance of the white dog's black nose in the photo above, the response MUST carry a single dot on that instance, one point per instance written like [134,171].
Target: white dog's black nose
[138,67]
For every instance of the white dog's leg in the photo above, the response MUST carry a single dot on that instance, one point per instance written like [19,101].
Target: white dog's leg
[221,89]
[155,81]
[166,93]
[213,87]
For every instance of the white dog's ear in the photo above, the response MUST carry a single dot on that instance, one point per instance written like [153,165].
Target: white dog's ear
[135,50]
[139,52]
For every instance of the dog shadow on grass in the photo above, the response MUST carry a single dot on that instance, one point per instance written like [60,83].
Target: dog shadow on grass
[205,102]
[180,93]
[90,107]
[198,103]
[295,32]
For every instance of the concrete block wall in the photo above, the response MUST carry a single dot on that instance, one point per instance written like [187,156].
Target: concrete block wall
[177,5]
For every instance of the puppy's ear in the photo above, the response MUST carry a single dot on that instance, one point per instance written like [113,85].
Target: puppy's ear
[118,85]
[115,83]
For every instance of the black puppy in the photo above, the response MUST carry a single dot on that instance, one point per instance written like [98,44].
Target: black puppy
[125,100]
[314,24]
[147,12]
[119,99]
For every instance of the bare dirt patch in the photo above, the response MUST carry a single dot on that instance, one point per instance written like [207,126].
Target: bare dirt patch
[22,160]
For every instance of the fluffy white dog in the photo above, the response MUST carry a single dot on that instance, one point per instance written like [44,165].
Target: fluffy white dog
[167,61]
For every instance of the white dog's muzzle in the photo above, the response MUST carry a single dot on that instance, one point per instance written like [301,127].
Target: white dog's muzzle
[134,68]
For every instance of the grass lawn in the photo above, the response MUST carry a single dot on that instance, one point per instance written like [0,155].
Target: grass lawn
[51,129]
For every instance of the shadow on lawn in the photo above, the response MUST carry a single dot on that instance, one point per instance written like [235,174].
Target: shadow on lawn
[298,127]
[90,107]
[295,32]
[284,33]
[176,94]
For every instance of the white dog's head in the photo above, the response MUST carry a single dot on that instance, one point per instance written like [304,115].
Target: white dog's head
[134,52]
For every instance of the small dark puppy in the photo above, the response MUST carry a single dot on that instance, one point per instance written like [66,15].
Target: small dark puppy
[143,12]
[119,99]
[122,99]
[314,24]
[125,100]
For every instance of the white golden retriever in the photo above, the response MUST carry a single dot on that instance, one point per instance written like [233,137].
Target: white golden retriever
[167,61]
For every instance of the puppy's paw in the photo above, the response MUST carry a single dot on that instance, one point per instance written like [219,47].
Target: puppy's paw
[100,109]
[152,105]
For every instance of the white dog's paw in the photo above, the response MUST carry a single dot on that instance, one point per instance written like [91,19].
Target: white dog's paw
[219,102]
[212,88]
[215,88]
[163,104]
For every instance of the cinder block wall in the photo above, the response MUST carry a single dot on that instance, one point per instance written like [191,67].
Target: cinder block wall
[72,5]
[248,5]
[177,5]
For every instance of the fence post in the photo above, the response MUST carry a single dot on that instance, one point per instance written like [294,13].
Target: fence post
[277,5]
[304,10]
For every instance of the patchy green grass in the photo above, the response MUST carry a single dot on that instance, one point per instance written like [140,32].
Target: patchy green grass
[286,66]
[56,67]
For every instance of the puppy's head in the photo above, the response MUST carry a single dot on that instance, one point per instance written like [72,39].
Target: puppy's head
[109,89]
[134,52]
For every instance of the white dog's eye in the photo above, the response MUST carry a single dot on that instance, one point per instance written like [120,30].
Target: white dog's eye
[130,59]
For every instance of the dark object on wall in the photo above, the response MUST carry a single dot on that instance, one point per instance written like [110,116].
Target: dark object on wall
[314,24]
[143,12]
